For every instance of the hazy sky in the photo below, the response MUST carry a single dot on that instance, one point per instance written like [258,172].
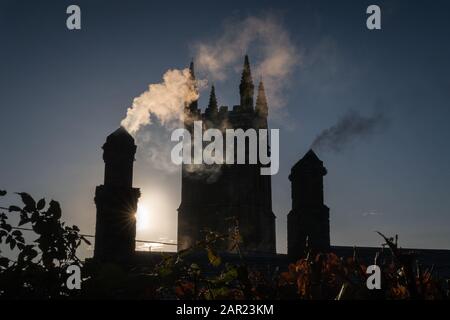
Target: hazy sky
[62,92]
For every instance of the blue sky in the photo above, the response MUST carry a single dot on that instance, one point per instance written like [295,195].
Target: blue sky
[63,92]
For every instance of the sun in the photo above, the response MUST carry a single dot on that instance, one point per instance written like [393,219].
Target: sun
[143,215]
[150,210]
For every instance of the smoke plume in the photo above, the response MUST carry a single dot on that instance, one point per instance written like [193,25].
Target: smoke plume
[352,126]
[164,100]
[275,61]
[275,55]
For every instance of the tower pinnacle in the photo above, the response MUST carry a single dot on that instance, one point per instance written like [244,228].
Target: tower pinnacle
[193,106]
[212,105]
[246,88]
[191,69]
[262,108]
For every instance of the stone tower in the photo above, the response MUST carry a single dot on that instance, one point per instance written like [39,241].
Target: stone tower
[213,196]
[309,217]
[116,201]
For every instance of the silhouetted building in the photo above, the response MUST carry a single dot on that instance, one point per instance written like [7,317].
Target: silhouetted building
[211,195]
[215,196]
[116,201]
[309,219]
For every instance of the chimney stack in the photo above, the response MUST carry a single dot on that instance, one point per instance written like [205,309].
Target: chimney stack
[309,219]
[116,201]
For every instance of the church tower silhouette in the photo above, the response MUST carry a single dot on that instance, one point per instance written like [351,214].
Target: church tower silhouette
[215,197]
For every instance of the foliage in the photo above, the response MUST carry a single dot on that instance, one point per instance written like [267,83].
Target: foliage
[324,276]
[39,271]
[40,268]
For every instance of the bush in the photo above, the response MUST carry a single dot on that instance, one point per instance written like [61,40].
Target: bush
[40,268]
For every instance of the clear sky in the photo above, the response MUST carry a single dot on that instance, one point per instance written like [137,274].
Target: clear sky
[62,92]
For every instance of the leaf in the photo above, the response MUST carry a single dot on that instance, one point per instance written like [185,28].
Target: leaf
[23,220]
[12,244]
[179,292]
[29,252]
[54,209]
[195,266]
[41,204]
[230,275]
[32,253]
[221,293]
[4,262]
[14,209]
[2,193]
[7,227]
[29,202]
[34,216]
[214,259]
[16,233]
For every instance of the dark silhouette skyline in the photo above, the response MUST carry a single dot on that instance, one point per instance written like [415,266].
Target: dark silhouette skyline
[61,91]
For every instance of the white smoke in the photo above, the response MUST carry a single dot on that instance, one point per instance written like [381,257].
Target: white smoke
[275,58]
[275,61]
[164,100]
[154,149]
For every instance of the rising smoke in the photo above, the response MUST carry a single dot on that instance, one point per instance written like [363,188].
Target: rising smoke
[351,127]
[276,55]
[165,100]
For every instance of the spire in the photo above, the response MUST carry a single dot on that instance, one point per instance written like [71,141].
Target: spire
[246,87]
[193,106]
[262,108]
[212,105]
[212,109]
[192,70]
[246,72]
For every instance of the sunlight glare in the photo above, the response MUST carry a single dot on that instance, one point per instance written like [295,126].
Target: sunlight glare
[143,216]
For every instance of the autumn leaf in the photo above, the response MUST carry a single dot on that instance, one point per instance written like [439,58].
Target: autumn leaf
[213,258]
